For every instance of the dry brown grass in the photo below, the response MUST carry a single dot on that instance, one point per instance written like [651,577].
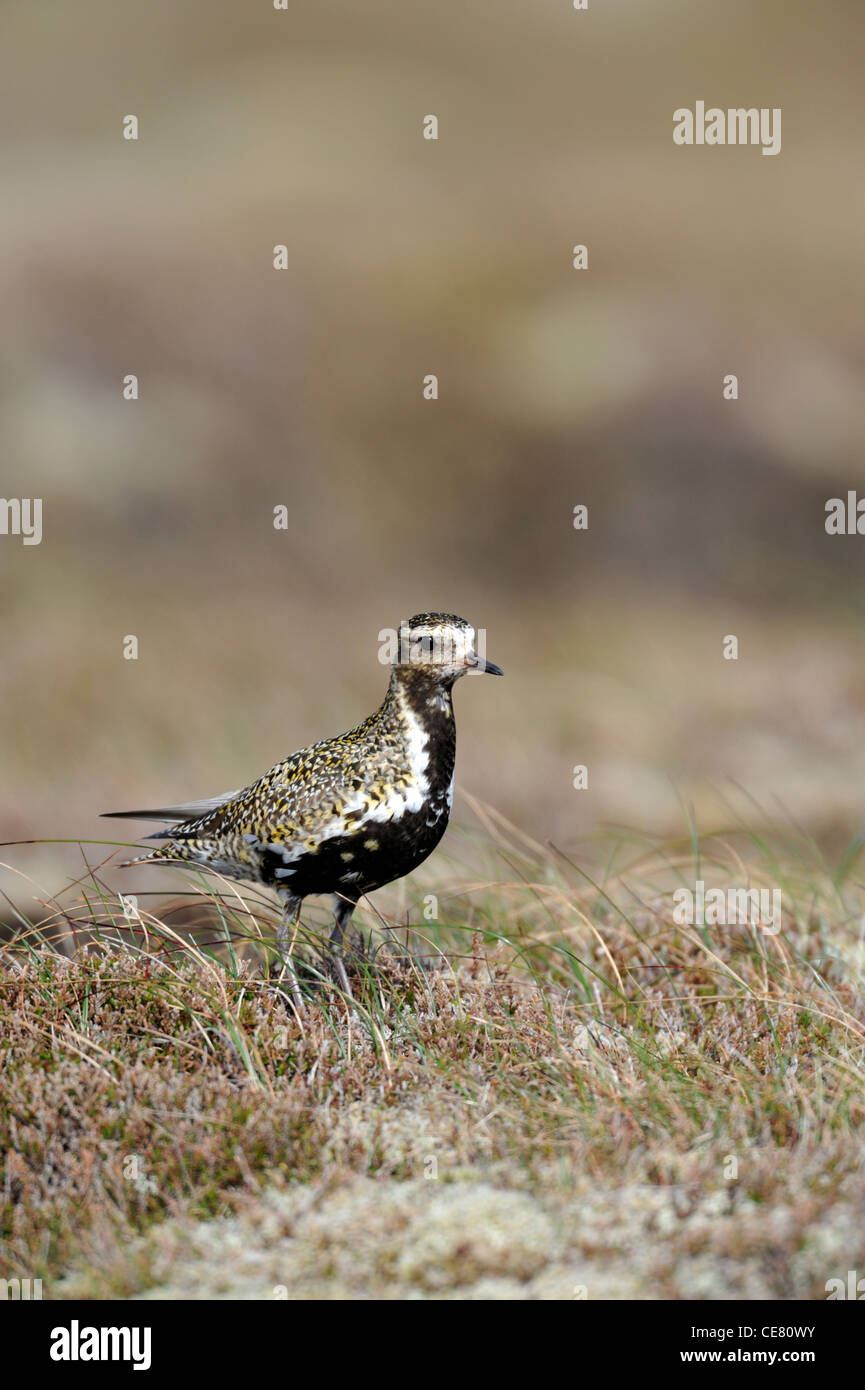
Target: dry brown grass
[578,1098]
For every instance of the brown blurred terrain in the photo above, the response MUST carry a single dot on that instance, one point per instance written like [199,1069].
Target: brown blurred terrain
[304,388]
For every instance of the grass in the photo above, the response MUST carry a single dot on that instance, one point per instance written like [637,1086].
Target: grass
[552,1090]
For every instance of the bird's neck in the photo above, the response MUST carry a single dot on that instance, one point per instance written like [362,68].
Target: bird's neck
[416,692]
[424,708]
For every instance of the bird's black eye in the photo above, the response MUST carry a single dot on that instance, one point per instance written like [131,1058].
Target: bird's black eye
[425,646]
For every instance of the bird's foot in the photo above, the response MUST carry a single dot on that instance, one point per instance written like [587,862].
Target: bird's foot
[338,967]
[287,973]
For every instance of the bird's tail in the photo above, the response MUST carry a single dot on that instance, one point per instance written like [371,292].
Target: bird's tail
[176,853]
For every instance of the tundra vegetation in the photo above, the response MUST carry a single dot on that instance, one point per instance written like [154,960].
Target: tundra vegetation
[552,1091]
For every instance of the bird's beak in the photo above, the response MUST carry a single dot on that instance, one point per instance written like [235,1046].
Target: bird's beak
[479,663]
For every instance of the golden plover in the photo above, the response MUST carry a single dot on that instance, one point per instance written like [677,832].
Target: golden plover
[349,814]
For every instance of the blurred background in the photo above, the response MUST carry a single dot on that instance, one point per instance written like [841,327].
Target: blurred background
[303,388]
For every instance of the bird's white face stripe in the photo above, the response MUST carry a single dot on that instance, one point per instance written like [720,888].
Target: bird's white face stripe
[452,644]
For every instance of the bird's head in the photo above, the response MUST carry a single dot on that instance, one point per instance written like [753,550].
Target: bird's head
[441,647]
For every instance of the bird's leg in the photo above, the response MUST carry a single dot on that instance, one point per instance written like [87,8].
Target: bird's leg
[285,942]
[342,910]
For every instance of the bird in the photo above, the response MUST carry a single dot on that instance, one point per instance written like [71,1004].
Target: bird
[349,814]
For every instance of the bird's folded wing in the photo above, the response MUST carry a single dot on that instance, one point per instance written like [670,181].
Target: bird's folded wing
[191,810]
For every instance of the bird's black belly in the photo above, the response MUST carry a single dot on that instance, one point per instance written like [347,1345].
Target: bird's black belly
[349,865]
